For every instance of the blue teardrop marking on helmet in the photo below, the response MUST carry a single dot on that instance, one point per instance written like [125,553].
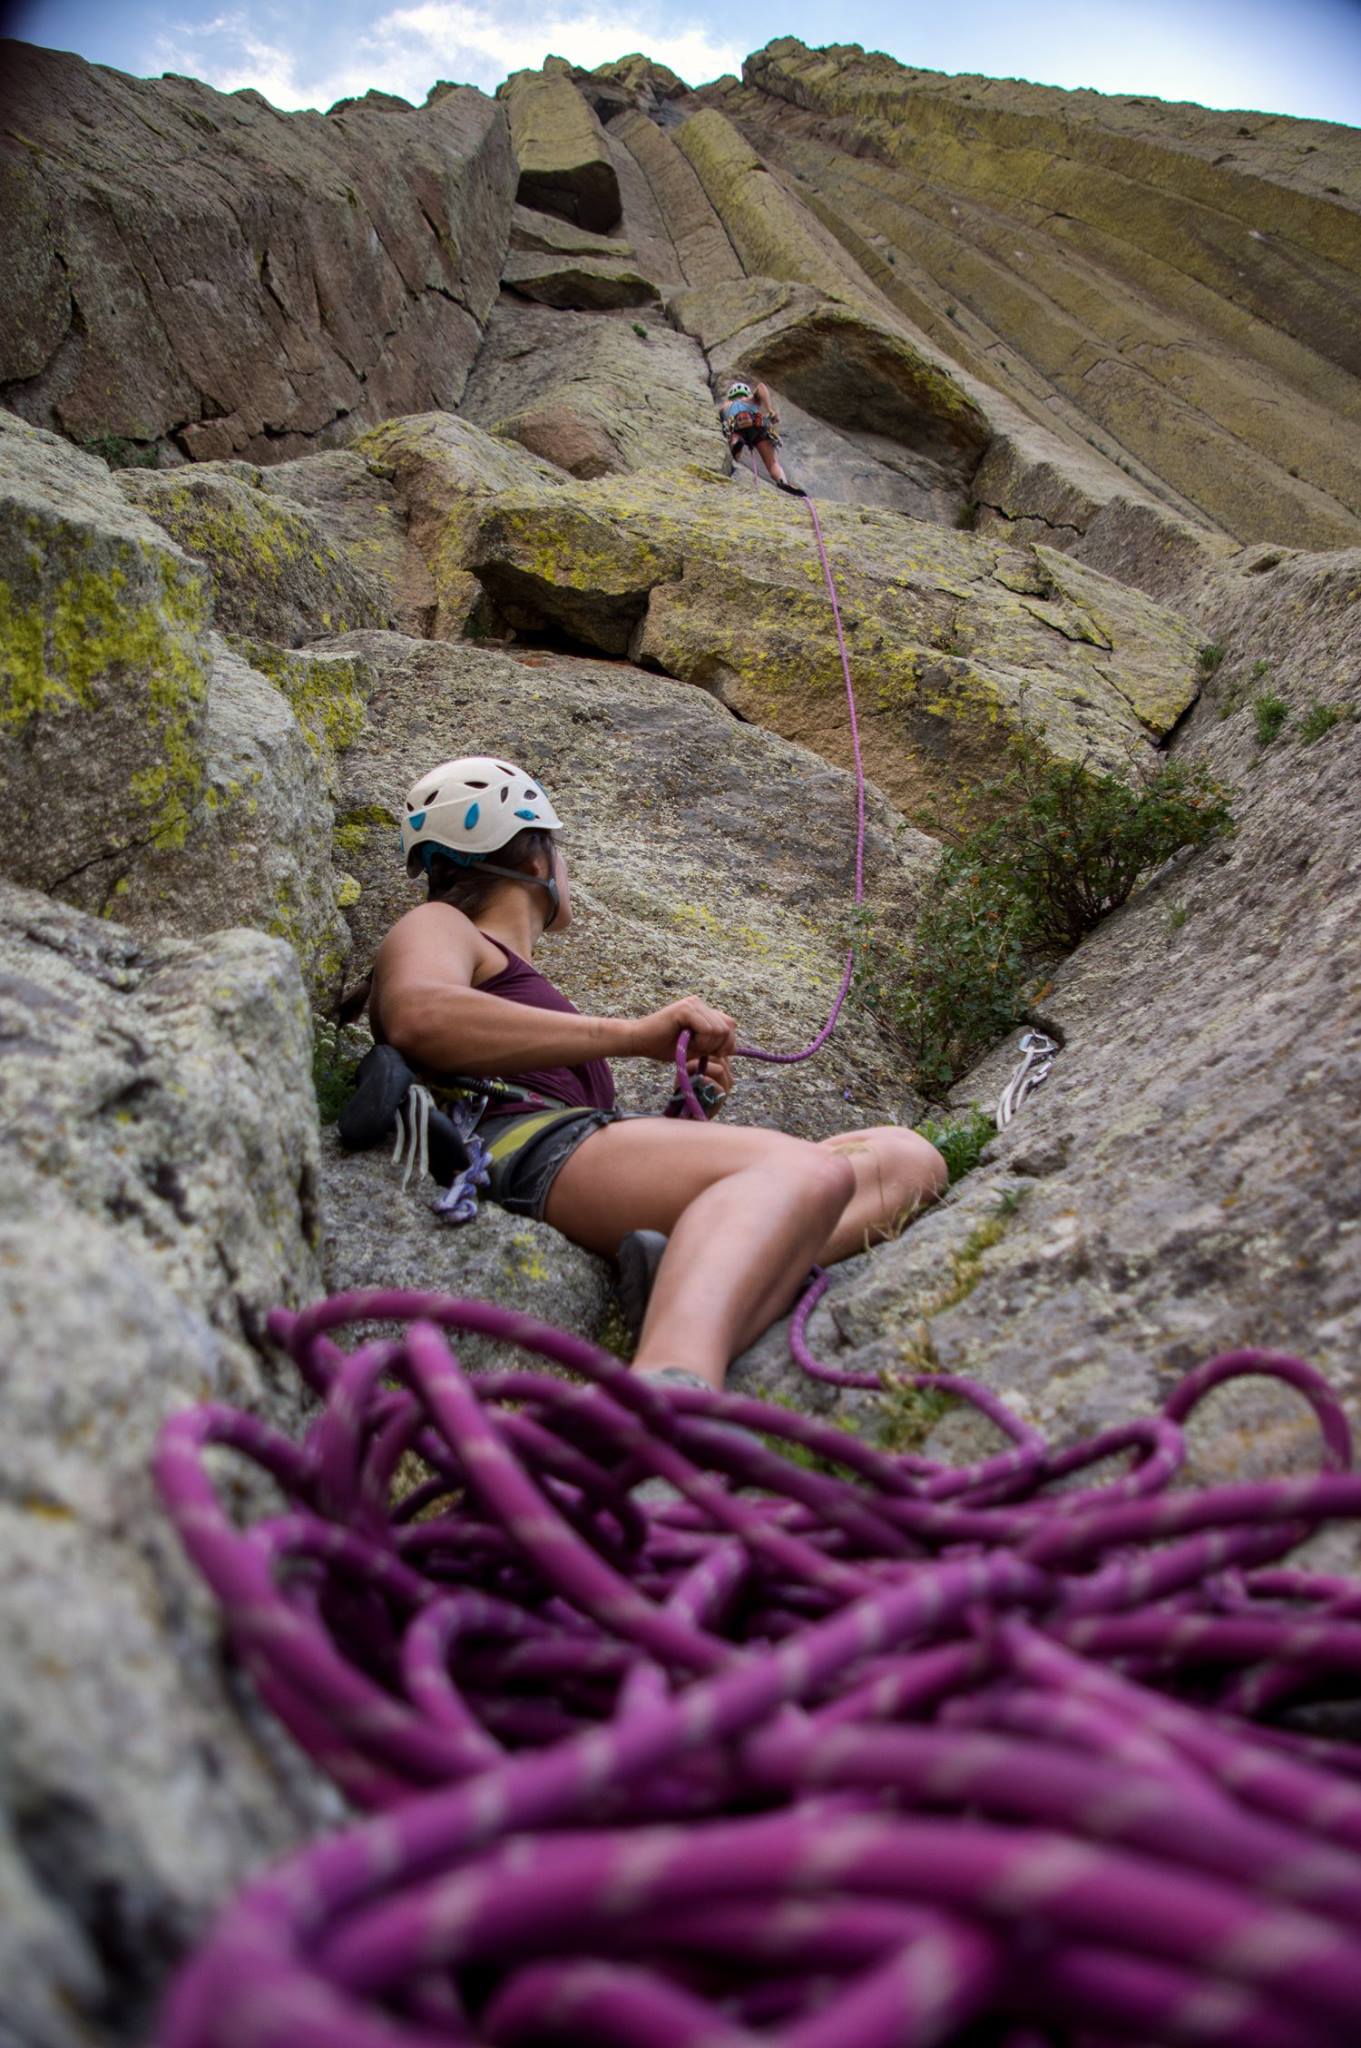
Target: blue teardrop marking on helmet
[416,820]
[531,815]
[470,817]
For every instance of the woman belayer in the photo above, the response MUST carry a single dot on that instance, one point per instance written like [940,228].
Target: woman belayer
[749,420]
[739,1213]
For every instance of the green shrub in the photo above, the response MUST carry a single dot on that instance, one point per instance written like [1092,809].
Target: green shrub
[1065,846]
[1072,843]
[960,1140]
[1312,724]
[958,983]
[1269,715]
[1260,669]
[967,516]
[1210,656]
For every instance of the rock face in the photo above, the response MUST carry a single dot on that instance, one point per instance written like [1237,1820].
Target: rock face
[1189,1179]
[719,584]
[1071,379]
[651,778]
[200,274]
[560,147]
[594,396]
[1183,286]
[103,673]
[158,1191]
[276,574]
[153,773]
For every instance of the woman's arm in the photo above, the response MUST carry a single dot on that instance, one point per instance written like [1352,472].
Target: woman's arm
[430,1011]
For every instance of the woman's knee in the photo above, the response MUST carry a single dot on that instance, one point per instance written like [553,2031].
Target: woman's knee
[915,1163]
[908,1170]
[827,1178]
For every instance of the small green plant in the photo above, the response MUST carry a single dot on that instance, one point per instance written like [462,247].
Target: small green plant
[1176,916]
[639,329]
[967,516]
[1269,714]
[802,1454]
[1009,1201]
[907,1415]
[121,453]
[960,1140]
[335,1056]
[1312,724]
[1066,845]
[1259,669]
[1210,657]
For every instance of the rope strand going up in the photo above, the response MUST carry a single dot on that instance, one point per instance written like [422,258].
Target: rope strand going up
[755,1052]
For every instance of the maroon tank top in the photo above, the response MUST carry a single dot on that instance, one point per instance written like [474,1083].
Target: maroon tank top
[590,1085]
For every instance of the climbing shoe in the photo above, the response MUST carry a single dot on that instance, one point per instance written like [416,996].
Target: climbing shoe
[638,1258]
[794,490]
[381,1084]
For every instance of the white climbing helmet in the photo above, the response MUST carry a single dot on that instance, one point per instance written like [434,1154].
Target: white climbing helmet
[739,391]
[472,806]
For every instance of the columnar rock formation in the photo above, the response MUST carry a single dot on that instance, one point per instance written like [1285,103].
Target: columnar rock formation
[334,444]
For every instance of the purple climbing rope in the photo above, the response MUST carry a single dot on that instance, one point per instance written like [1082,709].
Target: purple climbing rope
[755,1052]
[853,1752]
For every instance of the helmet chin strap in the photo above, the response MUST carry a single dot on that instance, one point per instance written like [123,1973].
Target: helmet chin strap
[487,867]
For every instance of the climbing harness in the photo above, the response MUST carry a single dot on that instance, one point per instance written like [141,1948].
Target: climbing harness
[1032,1071]
[434,1128]
[904,1759]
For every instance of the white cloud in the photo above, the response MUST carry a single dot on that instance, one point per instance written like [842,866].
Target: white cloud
[405,50]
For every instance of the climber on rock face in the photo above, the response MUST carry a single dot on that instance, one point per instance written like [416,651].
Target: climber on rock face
[749,420]
[744,1212]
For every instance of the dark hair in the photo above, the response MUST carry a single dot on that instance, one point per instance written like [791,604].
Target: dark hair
[468,888]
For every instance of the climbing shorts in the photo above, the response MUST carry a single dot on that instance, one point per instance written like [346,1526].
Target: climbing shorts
[751,437]
[528,1151]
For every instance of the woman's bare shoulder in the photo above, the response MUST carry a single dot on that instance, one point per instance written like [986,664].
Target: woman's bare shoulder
[429,947]
[433,935]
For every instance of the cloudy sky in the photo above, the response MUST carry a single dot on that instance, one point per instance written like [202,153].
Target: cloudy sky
[1278,56]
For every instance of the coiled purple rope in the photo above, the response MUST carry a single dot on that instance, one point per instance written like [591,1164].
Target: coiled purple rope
[904,1757]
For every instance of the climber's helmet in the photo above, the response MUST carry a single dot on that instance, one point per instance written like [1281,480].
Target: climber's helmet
[470,807]
[739,391]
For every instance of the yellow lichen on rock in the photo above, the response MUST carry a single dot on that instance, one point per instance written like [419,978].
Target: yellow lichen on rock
[772,233]
[103,670]
[953,638]
[446,469]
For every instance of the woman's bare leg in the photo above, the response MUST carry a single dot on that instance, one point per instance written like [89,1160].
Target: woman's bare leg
[897,1173]
[766,451]
[746,1212]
